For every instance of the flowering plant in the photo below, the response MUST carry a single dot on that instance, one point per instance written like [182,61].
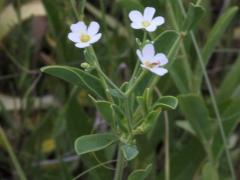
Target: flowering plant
[132,109]
[114,102]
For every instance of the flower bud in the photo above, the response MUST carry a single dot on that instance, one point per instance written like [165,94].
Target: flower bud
[85,65]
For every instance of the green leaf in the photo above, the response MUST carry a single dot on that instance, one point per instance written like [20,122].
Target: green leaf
[129,151]
[181,73]
[77,121]
[140,174]
[185,161]
[196,113]
[53,15]
[165,40]
[231,118]
[106,110]
[57,24]
[166,103]
[147,98]
[148,122]
[145,101]
[168,43]
[194,15]
[209,172]
[186,126]
[217,31]
[179,69]
[94,142]
[230,83]
[214,37]
[77,77]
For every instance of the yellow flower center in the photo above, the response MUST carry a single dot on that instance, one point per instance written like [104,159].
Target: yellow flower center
[85,38]
[151,65]
[146,24]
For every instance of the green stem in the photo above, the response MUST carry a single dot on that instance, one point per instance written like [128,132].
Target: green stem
[171,55]
[212,96]
[120,165]
[167,147]
[215,107]
[144,37]
[82,7]
[12,155]
[73,3]
[105,80]
[141,76]
[136,69]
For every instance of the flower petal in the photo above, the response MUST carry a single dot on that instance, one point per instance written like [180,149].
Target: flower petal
[158,21]
[159,71]
[74,37]
[140,56]
[93,28]
[95,38]
[136,25]
[135,16]
[148,52]
[149,13]
[79,27]
[151,28]
[160,57]
[82,45]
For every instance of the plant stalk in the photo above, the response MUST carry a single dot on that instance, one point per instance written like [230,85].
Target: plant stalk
[120,165]
[12,155]
[167,147]
[73,4]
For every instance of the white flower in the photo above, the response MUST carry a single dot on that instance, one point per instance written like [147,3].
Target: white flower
[84,36]
[152,61]
[145,20]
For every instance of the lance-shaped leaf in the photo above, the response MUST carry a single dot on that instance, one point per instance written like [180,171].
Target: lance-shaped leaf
[231,118]
[77,77]
[94,142]
[230,84]
[196,113]
[214,36]
[164,42]
[194,15]
[140,174]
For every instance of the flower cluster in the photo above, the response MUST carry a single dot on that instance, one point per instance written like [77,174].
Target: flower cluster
[84,36]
